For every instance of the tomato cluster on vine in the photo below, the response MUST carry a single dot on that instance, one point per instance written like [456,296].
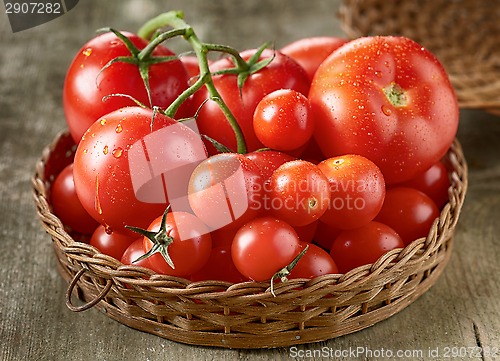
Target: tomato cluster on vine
[309,160]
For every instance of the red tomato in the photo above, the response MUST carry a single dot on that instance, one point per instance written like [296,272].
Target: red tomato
[226,189]
[311,52]
[325,235]
[84,87]
[133,252]
[110,243]
[299,193]
[388,99]
[357,191]
[186,240]
[219,267]
[67,206]
[283,120]
[434,182]
[268,161]
[365,245]
[306,233]
[409,212]
[315,262]
[123,169]
[263,247]
[282,72]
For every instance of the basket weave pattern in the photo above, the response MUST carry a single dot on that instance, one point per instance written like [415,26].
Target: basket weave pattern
[247,315]
[463,34]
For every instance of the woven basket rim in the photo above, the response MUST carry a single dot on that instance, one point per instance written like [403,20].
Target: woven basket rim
[104,282]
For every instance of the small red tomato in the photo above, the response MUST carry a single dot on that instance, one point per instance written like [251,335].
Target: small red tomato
[263,247]
[357,191]
[219,267]
[224,189]
[325,235]
[315,262]
[268,161]
[283,121]
[299,193]
[365,245]
[434,182]
[311,52]
[181,236]
[110,243]
[67,206]
[133,252]
[409,212]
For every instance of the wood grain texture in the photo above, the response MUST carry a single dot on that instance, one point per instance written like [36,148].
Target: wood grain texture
[461,310]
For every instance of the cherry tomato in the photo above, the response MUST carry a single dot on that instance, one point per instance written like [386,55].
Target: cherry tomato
[133,252]
[315,262]
[299,193]
[219,267]
[226,189]
[263,247]
[364,245]
[434,182]
[409,212]
[325,235]
[282,72]
[311,52]
[188,244]
[110,243]
[306,233]
[268,161]
[67,206]
[283,120]
[123,169]
[388,99]
[85,85]
[357,191]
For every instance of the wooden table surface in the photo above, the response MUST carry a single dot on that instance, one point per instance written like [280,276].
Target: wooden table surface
[462,310]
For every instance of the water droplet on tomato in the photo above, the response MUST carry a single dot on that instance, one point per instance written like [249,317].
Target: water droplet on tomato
[103,121]
[87,52]
[119,128]
[386,110]
[107,229]
[117,153]
[105,150]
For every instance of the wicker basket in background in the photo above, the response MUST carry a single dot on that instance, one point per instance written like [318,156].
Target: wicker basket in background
[247,315]
[463,34]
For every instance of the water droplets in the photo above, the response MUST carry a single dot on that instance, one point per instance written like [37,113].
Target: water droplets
[87,52]
[103,121]
[105,150]
[117,152]
[119,128]
[386,110]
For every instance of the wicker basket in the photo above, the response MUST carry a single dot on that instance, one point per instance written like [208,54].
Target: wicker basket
[246,315]
[464,35]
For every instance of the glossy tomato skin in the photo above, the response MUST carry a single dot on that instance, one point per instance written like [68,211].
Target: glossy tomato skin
[120,166]
[282,72]
[219,267]
[110,243]
[84,87]
[314,263]
[226,190]
[388,99]
[409,212]
[325,235]
[311,52]
[357,190]
[306,233]
[283,120]
[132,254]
[299,193]
[434,182]
[364,245]
[268,161]
[190,249]
[67,206]
[264,246]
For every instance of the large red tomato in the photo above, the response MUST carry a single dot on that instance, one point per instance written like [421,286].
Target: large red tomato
[388,99]
[85,84]
[281,72]
[127,170]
